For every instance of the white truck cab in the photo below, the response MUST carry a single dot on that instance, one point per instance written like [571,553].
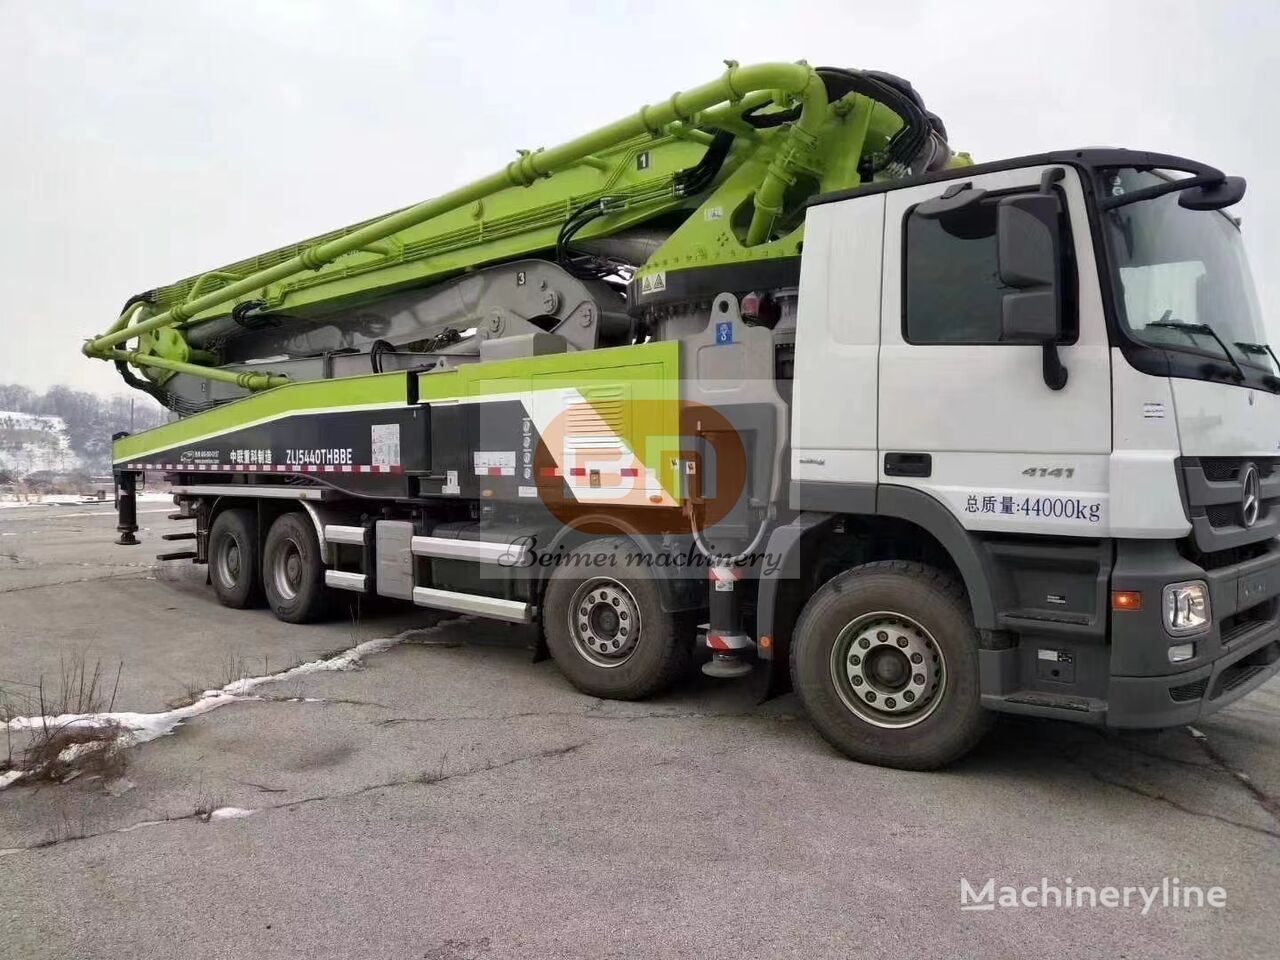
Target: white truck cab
[1057,367]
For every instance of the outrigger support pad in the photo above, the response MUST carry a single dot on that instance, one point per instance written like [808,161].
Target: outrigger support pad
[127,508]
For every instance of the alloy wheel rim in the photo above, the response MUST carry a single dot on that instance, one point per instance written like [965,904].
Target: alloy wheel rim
[888,669]
[604,622]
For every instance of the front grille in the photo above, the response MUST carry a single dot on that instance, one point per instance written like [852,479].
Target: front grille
[1222,514]
[1233,556]
[1221,469]
[1218,469]
[1233,677]
[1213,488]
[1245,669]
[1228,515]
[1189,691]
[1234,627]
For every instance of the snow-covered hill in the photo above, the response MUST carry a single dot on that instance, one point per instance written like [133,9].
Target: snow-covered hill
[30,443]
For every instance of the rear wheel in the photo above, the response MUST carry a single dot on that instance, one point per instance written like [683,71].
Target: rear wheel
[234,558]
[885,660]
[293,571]
[605,626]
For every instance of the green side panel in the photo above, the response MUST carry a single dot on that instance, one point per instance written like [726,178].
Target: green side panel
[310,396]
[634,389]
[515,375]
[647,374]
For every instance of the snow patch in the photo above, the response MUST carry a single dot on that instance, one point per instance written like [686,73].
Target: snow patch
[118,787]
[231,813]
[78,500]
[138,728]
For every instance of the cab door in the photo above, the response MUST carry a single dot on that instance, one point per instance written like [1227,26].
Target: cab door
[969,419]
[833,440]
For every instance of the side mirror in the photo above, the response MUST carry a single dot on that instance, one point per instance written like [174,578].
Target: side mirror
[1213,196]
[1029,259]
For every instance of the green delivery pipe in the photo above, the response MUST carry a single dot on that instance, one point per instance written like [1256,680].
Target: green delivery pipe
[797,79]
[794,153]
[247,381]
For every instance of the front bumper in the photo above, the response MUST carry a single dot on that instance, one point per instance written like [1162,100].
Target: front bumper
[1239,653]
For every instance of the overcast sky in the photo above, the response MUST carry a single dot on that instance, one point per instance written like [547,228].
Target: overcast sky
[146,141]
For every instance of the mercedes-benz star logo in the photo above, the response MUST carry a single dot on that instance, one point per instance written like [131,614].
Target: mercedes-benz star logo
[1251,497]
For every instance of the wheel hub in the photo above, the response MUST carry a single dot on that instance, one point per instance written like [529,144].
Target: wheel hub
[288,570]
[604,621]
[228,562]
[888,669]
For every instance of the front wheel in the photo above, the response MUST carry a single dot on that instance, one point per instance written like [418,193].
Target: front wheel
[885,661]
[293,570]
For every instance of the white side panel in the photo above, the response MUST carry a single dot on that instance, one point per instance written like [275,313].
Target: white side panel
[1145,500]
[1218,419]
[847,465]
[1008,452]
[837,343]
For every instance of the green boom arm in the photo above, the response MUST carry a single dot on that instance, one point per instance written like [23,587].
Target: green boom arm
[681,109]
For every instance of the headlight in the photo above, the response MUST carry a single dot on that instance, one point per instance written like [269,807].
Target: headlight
[1186,607]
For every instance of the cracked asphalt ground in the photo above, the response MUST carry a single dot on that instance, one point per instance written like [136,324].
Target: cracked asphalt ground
[452,800]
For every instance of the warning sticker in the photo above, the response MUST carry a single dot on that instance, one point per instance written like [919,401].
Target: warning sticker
[495,463]
[385,443]
[653,283]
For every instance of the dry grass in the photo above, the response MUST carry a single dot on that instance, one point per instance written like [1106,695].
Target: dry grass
[235,669]
[60,755]
[206,802]
[67,828]
[57,752]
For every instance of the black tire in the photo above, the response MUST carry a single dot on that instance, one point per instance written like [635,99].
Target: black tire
[855,638]
[293,571]
[234,559]
[643,663]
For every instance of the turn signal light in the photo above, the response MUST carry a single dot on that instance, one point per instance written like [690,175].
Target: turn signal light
[1128,600]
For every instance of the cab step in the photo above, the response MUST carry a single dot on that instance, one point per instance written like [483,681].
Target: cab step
[1039,703]
[190,535]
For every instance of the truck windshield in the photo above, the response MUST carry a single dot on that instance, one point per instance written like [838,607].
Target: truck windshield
[1185,280]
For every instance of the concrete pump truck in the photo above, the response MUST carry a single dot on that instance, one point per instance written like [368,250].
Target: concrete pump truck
[764,375]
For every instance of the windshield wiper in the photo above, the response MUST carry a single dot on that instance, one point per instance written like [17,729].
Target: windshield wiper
[1204,330]
[1259,350]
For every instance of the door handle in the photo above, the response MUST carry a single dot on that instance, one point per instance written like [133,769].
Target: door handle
[908,464]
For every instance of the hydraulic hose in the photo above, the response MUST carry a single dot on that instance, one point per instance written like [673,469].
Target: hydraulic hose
[743,554]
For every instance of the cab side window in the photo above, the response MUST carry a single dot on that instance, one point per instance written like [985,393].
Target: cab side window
[952,290]
[951,284]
